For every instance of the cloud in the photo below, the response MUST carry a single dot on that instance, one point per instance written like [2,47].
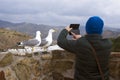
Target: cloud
[59,12]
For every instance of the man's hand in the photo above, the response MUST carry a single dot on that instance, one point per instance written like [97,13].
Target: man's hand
[75,37]
[68,28]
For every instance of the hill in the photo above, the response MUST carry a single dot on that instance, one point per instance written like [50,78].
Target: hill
[116,44]
[111,34]
[9,38]
[31,28]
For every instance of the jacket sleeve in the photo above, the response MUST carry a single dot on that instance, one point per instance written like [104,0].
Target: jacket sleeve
[64,43]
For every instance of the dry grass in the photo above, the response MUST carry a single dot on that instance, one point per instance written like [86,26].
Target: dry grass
[9,38]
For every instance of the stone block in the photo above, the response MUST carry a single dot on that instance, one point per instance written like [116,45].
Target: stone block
[6,60]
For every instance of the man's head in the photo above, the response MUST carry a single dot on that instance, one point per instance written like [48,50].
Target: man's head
[94,25]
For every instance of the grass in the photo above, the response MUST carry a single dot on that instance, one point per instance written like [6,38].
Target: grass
[9,38]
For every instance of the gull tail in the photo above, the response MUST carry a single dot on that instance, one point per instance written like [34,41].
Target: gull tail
[19,43]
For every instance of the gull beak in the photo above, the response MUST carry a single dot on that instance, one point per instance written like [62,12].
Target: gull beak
[55,30]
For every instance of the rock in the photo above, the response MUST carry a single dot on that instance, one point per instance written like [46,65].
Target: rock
[56,66]
[69,74]
[29,66]
[7,60]
[46,56]
[48,77]
[27,61]
[115,66]
[62,55]
[62,66]
[57,76]
[66,78]
[9,74]
[36,69]
[23,72]
[63,63]
[47,67]
[34,79]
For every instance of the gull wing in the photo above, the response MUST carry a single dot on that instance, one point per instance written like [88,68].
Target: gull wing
[43,42]
[30,42]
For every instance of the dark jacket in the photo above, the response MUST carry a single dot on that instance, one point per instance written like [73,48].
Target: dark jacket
[85,66]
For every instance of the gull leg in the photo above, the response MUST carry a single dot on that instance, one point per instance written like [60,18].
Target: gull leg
[32,49]
[33,52]
[45,48]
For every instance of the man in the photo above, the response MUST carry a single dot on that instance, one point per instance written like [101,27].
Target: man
[85,63]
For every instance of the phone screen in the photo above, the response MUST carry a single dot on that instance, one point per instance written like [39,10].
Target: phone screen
[74,26]
[75,29]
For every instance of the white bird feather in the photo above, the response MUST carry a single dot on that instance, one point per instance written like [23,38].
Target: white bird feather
[48,40]
[32,42]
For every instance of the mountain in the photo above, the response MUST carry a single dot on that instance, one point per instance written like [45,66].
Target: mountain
[111,34]
[4,24]
[28,28]
[31,28]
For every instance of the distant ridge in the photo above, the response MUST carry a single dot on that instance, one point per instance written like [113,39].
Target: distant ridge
[31,28]
[5,24]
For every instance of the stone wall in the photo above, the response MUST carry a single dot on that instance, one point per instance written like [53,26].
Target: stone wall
[65,70]
[115,65]
[58,65]
[63,64]
[29,67]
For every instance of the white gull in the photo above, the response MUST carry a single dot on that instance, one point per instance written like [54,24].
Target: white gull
[32,42]
[48,40]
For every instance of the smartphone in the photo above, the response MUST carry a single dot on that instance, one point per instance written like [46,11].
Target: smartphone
[74,26]
[75,29]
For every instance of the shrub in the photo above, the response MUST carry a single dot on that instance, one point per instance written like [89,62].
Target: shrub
[116,44]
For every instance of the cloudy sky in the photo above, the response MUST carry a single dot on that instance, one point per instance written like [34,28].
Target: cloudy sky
[60,12]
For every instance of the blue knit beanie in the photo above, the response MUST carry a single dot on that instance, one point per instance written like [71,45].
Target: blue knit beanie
[94,25]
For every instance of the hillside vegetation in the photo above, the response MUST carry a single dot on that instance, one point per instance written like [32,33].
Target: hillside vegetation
[116,44]
[9,38]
